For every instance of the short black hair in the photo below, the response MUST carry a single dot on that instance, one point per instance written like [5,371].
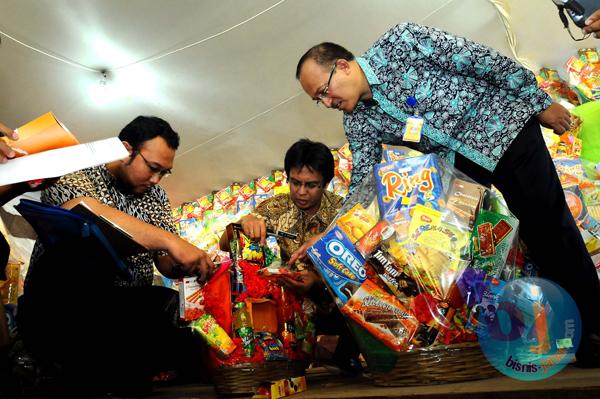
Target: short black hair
[324,54]
[315,156]
[144,128]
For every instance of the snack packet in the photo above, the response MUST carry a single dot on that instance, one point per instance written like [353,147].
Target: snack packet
[406,183]
[492,239]
[214,335]
[271,346]
[356,222]
[382,315]
[391,153]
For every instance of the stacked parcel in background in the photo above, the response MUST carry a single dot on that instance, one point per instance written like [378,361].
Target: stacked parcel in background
[576,154]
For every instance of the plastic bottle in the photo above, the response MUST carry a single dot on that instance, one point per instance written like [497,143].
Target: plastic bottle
[242,326]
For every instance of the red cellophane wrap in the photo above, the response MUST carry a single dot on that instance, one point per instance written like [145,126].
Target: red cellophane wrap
[217,297]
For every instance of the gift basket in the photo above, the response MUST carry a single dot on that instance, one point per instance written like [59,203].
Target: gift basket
[257,331]
[412,259]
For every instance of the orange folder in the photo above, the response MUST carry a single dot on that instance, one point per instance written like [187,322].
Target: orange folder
[42,134]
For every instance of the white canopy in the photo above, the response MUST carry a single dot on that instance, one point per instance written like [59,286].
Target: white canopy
[232,94]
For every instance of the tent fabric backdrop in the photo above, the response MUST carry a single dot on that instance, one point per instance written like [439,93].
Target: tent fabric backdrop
[222,71]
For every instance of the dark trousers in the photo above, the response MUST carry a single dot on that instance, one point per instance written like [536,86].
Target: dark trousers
[102,337]
[527,178]
[330,321]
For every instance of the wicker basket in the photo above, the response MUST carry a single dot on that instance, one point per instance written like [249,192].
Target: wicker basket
[242,380]
[435,365]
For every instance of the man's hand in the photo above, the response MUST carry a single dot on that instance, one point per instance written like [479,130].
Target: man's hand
[302,283]
[6,152]
[300,253]
[255,228]
[592,24]
[555,117]
[189,259]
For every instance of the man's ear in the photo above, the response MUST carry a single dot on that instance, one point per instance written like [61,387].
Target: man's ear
[128,147]
[343,65]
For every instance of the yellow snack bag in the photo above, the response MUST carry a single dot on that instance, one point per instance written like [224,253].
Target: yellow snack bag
[356,222]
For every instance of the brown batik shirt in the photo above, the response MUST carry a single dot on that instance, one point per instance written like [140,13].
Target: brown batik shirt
[281,213]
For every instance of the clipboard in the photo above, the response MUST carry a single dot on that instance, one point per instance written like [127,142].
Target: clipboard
[54,224]
[123,242]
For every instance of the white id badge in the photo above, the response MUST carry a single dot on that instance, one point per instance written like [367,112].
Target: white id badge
[412,129]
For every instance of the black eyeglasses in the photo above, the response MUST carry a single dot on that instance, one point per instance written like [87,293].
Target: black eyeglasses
[323,94]
[156,171]
[309,185]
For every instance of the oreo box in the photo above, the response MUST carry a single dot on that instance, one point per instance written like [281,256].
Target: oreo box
[340,264]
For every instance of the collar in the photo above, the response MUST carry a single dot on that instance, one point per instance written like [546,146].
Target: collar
[369,72]
[321,215]
[113,182]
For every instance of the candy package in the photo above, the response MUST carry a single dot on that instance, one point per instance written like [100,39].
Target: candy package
[494,235]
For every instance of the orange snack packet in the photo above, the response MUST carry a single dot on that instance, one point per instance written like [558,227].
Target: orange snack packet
[382,315]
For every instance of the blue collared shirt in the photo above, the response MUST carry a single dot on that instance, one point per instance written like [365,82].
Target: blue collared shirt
[473,99]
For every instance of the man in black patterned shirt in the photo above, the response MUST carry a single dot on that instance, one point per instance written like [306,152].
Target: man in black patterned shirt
[107,329]
[127,193]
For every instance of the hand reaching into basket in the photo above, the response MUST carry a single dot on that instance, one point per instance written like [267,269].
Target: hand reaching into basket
[300,253]
[302,283]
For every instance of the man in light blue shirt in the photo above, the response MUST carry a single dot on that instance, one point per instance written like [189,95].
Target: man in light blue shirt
[481,112]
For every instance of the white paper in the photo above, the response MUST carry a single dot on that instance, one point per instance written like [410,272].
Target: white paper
[58,162]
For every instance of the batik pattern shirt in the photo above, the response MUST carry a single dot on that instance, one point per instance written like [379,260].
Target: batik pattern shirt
[281,213]
[474,101]
[151,207]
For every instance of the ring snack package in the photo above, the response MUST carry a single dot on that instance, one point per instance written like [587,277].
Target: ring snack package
[405,183]
[391,153]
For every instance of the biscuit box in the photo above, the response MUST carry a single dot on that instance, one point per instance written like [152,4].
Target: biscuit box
[340,264]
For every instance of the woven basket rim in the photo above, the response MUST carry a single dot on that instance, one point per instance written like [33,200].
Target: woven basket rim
[266,364]
[461,345]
